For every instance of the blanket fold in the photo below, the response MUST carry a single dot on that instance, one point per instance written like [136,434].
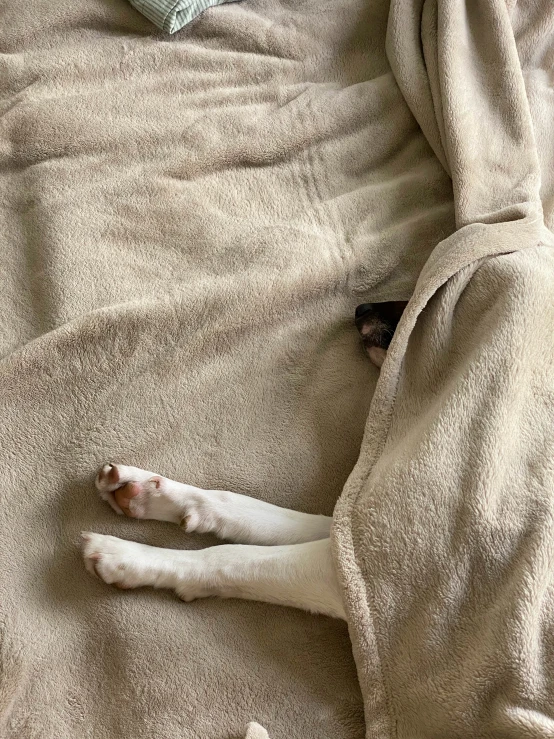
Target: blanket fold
[445,531]
[187,226]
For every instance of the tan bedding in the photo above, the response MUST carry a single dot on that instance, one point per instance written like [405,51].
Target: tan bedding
[445,531]
[187,225]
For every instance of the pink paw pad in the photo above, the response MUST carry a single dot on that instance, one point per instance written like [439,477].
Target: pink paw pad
[125,494]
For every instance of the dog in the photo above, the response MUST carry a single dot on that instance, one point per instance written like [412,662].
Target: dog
[277,555]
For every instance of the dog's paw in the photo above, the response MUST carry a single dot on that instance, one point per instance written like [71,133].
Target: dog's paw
[135,492]
[115,561]
[141,494]
[128,564]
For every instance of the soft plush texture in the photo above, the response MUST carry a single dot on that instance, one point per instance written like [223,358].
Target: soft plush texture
[444,534]
[187,225]
[172,15]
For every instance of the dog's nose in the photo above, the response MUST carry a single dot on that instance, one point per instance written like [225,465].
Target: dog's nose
[362,309]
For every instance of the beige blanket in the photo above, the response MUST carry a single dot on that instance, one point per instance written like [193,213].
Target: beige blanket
[445,531]
[187,225]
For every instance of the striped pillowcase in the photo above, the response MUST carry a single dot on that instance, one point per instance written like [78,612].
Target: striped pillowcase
[172,15]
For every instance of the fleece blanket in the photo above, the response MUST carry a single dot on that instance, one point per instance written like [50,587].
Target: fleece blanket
[187,224]
[444,535]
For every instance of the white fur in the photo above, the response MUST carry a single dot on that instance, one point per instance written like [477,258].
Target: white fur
[293,566]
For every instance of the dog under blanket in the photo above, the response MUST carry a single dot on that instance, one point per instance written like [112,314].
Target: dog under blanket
[445,530]
[187,227]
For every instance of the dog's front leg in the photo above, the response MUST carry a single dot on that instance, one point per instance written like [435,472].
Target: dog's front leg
[298,575]
[239,518]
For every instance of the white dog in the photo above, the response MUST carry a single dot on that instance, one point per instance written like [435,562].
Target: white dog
[282,556]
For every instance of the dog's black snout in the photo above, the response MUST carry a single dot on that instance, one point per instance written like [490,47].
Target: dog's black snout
[362,309]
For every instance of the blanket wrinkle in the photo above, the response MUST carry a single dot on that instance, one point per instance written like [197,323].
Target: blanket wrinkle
[443,534]
[187,227]
[171,297]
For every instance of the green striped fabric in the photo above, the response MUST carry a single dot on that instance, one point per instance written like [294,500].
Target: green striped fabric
[172,15]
